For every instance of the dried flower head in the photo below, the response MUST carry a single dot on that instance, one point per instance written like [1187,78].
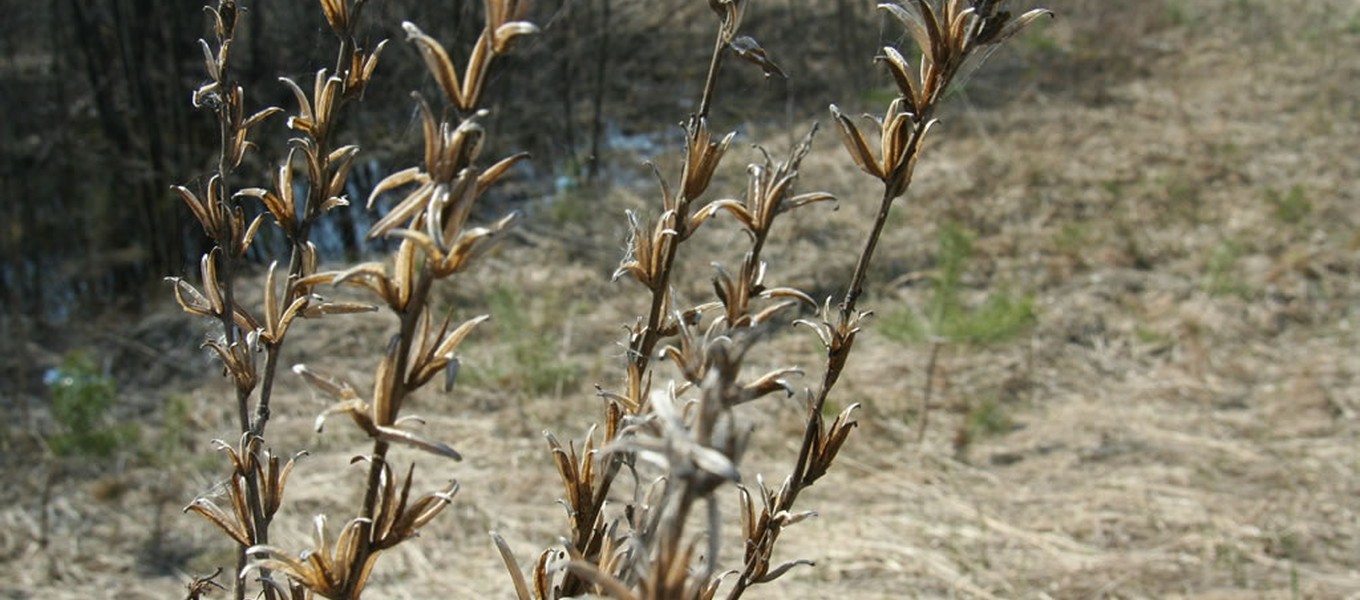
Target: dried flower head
[953,42]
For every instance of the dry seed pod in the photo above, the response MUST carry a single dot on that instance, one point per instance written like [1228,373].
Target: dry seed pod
[827,443]
[337,15]
[314,114]
[280,202]
[900,134]
[203,585]
[702,156]
[749,50]
[511,565]
[646,250]
[730,13]
[245,461]
[436,351]
[465,92]
[347,401]
[327,569]
[397,518]
[361,69]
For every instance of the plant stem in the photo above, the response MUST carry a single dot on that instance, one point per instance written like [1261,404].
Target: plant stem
[410,316]
[652,334]
[640,352]
[856,287]
[226,246]
[711,81]
[836,357]
[930,387]
[296,263]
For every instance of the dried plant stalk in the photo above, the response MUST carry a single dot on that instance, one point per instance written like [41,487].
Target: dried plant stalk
[436,243]
[223,220]
[255,485]
[685,433]
[953,40]
[696,443]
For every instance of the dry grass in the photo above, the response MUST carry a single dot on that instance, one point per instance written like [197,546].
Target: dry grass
[1181,422]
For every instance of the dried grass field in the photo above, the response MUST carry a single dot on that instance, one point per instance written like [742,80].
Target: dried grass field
[1144,376]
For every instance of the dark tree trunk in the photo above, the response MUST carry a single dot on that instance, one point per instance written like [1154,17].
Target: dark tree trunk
[601,66]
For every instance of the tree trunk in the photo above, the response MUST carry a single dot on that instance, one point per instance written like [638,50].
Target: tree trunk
[601,65]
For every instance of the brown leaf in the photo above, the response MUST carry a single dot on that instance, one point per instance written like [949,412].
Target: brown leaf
[905,77]
[404,212]
[386,395]
[367,275]
[214,514]
[493,173]
[339,162]
[337,14]
[475,75]
[304,105]
[511,565]
[190,299]
[856,145]
[336,389]
[313,310]
[201,212]
[437,61]
[508,32]
[748,49]
[392,182]
[211,287]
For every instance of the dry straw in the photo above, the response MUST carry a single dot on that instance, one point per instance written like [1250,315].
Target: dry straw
[661,451]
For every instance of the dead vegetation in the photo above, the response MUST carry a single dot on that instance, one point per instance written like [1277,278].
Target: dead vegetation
[1178,422]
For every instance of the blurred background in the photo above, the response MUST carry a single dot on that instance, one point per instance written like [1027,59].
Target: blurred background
[99,125]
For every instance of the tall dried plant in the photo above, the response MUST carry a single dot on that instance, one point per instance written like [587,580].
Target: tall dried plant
[664,450]
[687,429]
[436,243]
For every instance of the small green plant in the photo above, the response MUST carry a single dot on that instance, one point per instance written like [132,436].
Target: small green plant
[1290,207]
[535,366]
[1001,317]
[1039,41]
[1220,271]
[946,319]
[176,416]
[1074,240]
[880,95]
[1153,340]
[1184,199]
[987,417]
[172,449]
[1178,13]
[81,399]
